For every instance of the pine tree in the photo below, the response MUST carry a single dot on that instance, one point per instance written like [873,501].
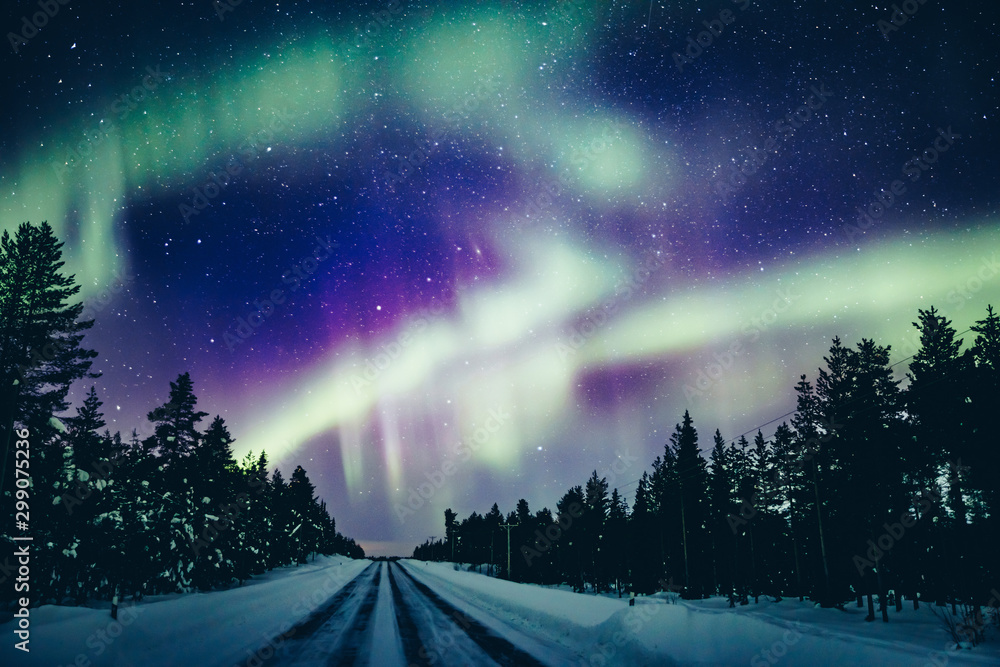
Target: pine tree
[616,543]
[450,531]
[89,448]
[790,482]
[812,432]
[768,528]
[644,529]
[220,514]
[721,514]
[40,339]
[984,396]
[569,551]
[745,553]
[877,431]
[305,532]
[986,348]
[522,521]
[175,423]
[40,357]
[692,480]
[666,502]
[593,527]
[181,533]
[497,541]
[281,549]
[259,514]
[93,465]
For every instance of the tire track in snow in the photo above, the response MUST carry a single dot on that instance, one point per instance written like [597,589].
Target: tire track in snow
[299,640]
[353,637]
[498,648]
[413,647]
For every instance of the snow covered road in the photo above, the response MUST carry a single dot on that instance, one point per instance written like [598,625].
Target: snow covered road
[387,617]
[338,611]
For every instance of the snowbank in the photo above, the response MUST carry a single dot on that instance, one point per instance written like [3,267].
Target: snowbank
[222,628]
[606,631]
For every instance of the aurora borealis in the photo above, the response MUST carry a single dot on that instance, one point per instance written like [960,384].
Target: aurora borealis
[498,245]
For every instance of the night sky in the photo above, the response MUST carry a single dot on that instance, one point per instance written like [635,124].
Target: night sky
[491,247]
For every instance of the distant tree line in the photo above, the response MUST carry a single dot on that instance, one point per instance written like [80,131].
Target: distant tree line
[870,490]
[173,512]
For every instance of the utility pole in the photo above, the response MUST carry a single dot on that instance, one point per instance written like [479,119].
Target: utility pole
[507,527]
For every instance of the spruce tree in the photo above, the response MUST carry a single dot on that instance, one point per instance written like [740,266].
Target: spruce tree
[644,546]
[41,355]
[40,340]
[692,481]
[616,544]
[570,554]
[984,395]
[306,530]
[592,531]
[721,514]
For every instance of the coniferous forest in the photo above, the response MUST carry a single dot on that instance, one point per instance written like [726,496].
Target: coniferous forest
[872,491]
[171,512]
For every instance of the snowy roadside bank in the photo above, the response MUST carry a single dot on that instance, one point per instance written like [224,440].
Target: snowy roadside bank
[606,631]
[221,628]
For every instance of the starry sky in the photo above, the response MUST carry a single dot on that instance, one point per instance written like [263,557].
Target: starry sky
[445,255]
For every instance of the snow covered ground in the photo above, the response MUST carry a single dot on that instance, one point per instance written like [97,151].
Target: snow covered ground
[455,617]
[606,631]
[223,628]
